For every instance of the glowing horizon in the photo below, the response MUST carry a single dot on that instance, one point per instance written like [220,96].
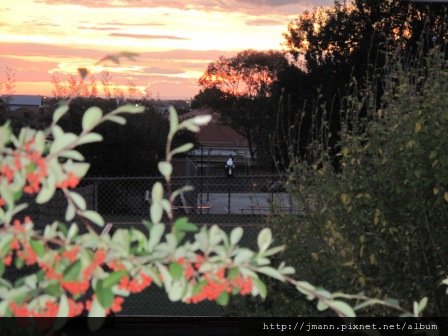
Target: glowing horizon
[176,40]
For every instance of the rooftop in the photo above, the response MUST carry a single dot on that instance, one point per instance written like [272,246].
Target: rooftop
[25,100]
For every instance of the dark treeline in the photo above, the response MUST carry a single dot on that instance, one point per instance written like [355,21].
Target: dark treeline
[133,149]
[283,101]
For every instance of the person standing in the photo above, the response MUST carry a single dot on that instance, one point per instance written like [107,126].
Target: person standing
[230,166]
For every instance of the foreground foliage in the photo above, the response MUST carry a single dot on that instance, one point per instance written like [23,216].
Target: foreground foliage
[375,220]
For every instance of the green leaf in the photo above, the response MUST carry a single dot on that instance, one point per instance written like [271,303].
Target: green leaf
[166,276]
[5,134]
[288,270]
[59,112]
[80,169]
[321,306]
[94,217]
[236,235]
[274,250]
[129,108]
[72,272]
[89,138]
[104,294]
[2,268]
[198,287]
[73,231]
[63,306]
[264,239]
[155,234]
[113,279]
[177,291]
[66,140]
[215,235]
[53,289]
[166,169]
[91,118]
[176,270]
[223,299]
[242,256]
[157,192]
[261,287]
[342,308]
[79,201]
[174,121]
[72,154]
[156,213]
[38,247]
[116,119]
[47,191]
[70,212]
[183,225]
[422,304]
[182,149]
[272,272]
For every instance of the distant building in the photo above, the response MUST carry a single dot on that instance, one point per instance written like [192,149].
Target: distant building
[217,141]
[24,102]
[24,108]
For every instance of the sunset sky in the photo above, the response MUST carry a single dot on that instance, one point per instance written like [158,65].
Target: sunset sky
[175,39]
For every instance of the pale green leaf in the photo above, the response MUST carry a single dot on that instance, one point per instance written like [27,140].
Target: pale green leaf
[166,169]
[342,308]
[157,192]
[47,191]
[243,256]
[94,217]
[129,108]
[236,235]
[59,112]
[72,231]
[63,306]
[79,201]
[66,140]
[272,272]
[264,239]
[72,154]
[156,213]
[182,149]
[176,291]
[155,234]
[174,121]
[116,119]
[261,287]
[91,118]
[70,212]
[89,138]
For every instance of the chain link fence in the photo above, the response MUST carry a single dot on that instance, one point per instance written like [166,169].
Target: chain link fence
[246,201]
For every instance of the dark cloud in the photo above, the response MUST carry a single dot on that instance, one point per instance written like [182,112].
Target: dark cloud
[148,36]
